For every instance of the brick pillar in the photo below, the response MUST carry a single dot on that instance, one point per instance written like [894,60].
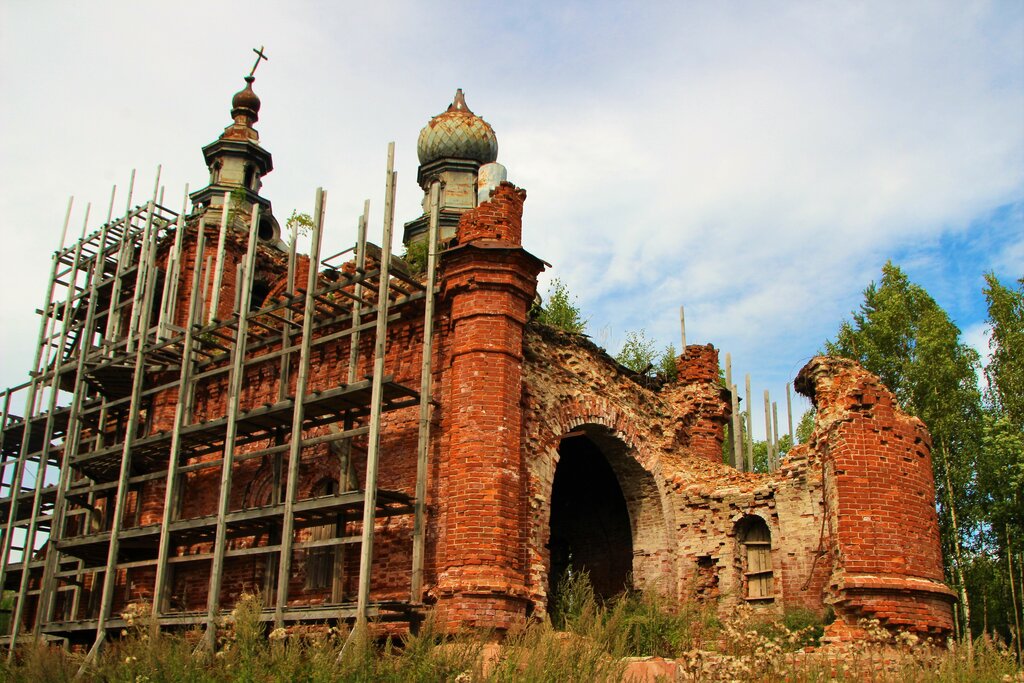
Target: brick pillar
[879,503]
[489,283]
[702,403]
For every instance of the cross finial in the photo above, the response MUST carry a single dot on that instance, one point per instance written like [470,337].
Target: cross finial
[259,57]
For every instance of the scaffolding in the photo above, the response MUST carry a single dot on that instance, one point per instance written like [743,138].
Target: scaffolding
[112,345]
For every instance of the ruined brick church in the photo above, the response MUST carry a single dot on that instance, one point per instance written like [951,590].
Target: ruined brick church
[359,436]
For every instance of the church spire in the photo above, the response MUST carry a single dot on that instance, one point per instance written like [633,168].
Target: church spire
[236,160]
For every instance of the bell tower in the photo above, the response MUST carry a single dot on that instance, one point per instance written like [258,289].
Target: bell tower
[237,164]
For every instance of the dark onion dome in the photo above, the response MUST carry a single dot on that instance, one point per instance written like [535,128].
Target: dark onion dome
[457,133]
[246,103]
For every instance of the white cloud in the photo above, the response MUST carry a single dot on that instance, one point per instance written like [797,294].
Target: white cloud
[756,163]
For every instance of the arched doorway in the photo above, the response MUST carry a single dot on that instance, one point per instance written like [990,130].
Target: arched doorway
[590,520]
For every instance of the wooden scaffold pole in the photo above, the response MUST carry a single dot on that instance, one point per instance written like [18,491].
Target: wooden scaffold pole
[74,430]
[373,445]
[181,415]
[235,382]
[147,256]
[426,376]
[749,414]
[284,562]
[30,401]
[45,443]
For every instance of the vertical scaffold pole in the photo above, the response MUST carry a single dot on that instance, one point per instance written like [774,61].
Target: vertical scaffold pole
[373,445]
[768,430]
[789,415]
[147,256]
[172,270]
[419,532]
[295,447]
[30,401]
[346,477]
[113,315]
[45,443]
[750,427]
[236,381]
[218,270]
[74,431]
[357,307]
[180,417]
[775,433]
[682,327]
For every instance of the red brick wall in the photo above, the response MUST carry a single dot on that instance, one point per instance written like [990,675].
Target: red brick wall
[489,291]
[507,391]
[880,500]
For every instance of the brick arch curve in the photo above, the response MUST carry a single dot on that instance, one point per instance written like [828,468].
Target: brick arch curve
[639,474]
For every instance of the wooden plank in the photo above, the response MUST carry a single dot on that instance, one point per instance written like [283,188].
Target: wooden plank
[48,434]
[237,377]
[72,443]
[295,452]
[373,447]
[146,258]
[185,388]
[426,378]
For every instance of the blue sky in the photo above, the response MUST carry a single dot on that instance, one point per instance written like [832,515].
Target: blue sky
[755,162]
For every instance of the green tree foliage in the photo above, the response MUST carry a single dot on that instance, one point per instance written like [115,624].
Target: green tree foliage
[298,224]
[667,367]
[902,335]
[1000,471]
[805,426]
[416,257]
[638,352]
[561,310]
[1005,371]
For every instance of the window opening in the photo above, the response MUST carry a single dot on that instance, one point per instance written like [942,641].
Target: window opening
[756,557]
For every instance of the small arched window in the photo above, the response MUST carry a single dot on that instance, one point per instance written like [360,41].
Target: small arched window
[755,556]
[320,560]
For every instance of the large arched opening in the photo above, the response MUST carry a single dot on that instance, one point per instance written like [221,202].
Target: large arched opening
[591,529]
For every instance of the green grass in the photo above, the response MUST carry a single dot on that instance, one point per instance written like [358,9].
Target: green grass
[590,643]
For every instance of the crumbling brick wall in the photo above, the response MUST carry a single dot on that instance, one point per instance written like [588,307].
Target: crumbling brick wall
[508,392]
[880,498]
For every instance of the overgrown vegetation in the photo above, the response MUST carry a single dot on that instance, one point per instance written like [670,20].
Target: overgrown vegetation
[592,643]
[298,225]
[901,334]
[639,354]
[561,309]
[415,257]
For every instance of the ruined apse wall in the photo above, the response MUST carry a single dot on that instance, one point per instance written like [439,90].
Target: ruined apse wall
[883,531]
[685,505]
[851,514]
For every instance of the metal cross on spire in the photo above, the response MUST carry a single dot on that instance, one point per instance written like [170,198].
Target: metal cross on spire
[259,58]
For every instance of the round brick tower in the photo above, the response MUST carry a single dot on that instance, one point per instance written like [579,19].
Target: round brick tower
[489,283]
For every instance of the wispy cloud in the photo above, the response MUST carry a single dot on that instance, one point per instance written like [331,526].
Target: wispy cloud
[755,162]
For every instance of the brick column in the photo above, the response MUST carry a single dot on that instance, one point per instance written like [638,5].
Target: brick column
[703,402]
[489,283]
[879,504]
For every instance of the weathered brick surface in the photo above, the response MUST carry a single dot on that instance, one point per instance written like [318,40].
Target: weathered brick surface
[880,496]
[851,514]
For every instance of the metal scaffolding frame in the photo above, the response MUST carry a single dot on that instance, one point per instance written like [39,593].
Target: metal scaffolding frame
[73,466]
